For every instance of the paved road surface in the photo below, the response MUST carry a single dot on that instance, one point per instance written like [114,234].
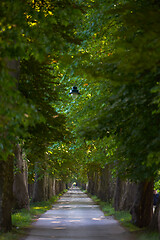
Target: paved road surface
[76,217]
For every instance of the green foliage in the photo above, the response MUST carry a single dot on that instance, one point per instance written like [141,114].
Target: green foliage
[116,68]
[110,50]
[13,115]
[39,86]
[157,182]
[119,64]
[27,34]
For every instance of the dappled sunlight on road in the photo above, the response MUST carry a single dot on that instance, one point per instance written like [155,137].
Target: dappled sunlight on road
[75,217]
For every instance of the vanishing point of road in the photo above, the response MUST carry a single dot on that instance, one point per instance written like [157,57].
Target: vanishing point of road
[74,217]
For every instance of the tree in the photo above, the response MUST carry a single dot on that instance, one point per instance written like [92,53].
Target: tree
[125,72]
[27,33]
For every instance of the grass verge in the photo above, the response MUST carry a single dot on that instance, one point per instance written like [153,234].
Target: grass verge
[22,219]
[148,236]
[124,217]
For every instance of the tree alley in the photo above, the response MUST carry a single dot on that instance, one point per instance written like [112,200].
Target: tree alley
[109,138]
[33,36]
[117,115]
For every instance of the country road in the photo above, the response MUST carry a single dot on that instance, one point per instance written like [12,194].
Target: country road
[74,217]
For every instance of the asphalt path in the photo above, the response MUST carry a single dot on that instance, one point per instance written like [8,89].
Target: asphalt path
[74,217]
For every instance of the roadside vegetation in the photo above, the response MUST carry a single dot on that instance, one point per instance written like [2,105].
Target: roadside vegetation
[124,217]
[22,219]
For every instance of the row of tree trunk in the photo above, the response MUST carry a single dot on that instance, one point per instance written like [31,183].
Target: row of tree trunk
[16,193]
[124,195]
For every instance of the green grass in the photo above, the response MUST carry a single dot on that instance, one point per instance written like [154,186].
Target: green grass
[124,217]
[149,236]
[107,208]
[22,219]
[10,236]
[41,207]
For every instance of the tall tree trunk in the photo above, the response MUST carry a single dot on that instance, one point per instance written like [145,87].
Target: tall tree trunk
[59,186]
[90,182]
[142,209]
[128,196]
[56,187]
[118,194]
[93,179]
[6,167]
[30,190]
[107,185]
[62,186]
[38,190]
[124,196]
[7,193]
[20,189]
[1,190]
[46,185]
[51,187]
[96,182]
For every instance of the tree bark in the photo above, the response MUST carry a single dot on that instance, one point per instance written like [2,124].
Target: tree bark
[30,190]
[50,192]
[54,187]
[20,188]
[59,186]
[90,182]
[93,179]
[1,190]
[118,194]
[96,182]
[124,196]
[6,167]
[38,190]
[7,193]
[142,209]
[107,185]
[46,186]
[62,186]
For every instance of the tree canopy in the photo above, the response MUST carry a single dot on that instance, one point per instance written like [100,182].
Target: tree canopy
[110,50]
[117,70]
